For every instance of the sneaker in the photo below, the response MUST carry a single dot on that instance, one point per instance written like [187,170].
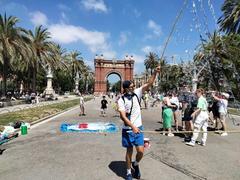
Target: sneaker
[129,177]
[201,143]
[170,134]
[224,134]
[190,143]
[137,173]
[187,139]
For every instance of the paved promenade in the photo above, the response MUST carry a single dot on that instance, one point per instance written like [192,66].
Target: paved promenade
[46,153]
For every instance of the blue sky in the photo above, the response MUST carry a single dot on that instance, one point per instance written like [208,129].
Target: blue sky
[115,28]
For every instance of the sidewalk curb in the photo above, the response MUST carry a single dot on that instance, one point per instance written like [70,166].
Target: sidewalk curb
[47,118]
[54,115]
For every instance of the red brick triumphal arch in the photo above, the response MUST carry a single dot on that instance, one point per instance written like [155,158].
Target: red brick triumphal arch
[104,68]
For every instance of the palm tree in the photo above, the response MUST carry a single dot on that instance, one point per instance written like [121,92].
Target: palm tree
[11,44]
[86,75]
[213,54]
[230,20]
[75,64]
[164,68]
[43,52]
[151,62]
[231,65]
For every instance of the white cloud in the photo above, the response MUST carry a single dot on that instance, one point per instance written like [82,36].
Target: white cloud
[147,49]
[96,5]
[123,38]
[96,41]
[38,18]
[157,30]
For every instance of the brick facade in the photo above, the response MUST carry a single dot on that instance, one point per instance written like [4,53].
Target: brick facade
[103,68]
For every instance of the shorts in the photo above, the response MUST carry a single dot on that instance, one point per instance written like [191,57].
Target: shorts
[103,109]
[187,118]
[130,139]
[222,117]
[175,110]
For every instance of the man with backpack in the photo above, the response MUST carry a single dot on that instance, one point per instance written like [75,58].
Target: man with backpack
[130,112]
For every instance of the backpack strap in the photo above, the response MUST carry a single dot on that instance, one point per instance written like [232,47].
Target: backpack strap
[129,114]
[139,100]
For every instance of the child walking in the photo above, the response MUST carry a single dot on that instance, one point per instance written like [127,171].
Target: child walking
[103,106]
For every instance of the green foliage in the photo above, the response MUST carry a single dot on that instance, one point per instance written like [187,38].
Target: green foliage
[151,61]
[230,20]
[26,55]
[116,87]
[62,82]
[34,114]
[221,54]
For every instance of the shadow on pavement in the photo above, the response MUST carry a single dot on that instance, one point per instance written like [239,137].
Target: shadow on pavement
[119,168]
[1,151]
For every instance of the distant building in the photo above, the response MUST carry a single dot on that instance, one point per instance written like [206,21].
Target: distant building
[143,78]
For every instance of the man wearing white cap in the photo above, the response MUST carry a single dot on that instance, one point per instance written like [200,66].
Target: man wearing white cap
[223,103]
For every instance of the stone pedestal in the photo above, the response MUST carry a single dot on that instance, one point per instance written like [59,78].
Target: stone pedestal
[49,92]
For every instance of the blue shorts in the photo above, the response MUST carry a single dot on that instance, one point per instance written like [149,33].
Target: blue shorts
[130,139]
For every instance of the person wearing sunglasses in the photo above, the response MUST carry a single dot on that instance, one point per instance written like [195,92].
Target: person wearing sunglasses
[129,107]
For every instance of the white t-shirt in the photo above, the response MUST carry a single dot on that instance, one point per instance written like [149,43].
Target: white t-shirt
[223,103]
[174,100]
[81,100]
[135,116]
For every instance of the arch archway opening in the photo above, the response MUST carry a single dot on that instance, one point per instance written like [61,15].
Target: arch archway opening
[113,83]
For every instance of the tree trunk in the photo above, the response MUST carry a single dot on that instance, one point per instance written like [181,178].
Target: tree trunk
[5,70]
[34,76]
[34,79]
[28,80]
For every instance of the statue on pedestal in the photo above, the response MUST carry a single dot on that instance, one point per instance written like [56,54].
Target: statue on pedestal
[49,92]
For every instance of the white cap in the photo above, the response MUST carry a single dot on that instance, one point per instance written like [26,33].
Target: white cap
[226,95]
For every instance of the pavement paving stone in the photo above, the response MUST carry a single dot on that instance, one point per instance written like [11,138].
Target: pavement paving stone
[46,153]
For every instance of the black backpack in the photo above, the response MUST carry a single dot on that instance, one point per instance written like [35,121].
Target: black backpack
[17,124]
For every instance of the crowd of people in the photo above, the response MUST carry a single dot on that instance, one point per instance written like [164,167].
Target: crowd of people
[187,113]
[192,109]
